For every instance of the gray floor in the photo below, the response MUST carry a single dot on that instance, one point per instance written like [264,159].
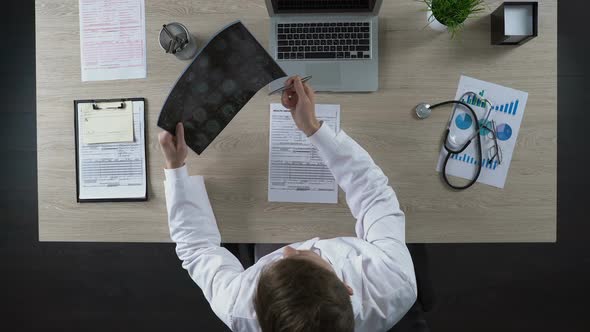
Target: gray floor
[99,286]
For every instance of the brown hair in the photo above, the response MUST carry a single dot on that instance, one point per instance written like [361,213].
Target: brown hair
[296,295]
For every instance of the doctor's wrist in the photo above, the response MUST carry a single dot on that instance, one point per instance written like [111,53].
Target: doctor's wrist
[311,129]
[174,165]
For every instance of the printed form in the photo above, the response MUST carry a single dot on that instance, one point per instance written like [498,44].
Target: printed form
[112,39]
[114,170]
[296,172]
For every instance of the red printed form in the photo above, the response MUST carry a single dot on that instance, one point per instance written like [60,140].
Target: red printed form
[112,39]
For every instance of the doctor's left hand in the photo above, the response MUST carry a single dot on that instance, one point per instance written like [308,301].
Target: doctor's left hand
[174,147]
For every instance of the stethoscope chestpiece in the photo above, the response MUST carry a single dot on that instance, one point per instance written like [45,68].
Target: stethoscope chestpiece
[423,110]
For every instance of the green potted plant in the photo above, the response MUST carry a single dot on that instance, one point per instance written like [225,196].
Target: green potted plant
[450,15]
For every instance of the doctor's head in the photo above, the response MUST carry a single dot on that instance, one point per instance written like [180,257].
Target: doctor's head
[302,293]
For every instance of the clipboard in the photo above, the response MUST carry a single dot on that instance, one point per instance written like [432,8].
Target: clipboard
[112,172]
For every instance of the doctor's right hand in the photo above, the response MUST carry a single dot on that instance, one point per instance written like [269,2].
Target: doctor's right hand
[300,100]
[174,147]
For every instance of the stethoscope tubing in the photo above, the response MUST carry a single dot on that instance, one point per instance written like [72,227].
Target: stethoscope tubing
[451,151]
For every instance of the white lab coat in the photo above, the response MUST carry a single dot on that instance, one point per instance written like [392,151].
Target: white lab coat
[376,264]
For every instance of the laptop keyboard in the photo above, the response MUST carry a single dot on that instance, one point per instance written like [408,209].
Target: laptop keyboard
[312,41]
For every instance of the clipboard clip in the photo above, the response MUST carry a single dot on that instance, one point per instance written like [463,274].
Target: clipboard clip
[96,107]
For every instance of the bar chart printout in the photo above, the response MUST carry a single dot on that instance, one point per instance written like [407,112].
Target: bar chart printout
[507,110]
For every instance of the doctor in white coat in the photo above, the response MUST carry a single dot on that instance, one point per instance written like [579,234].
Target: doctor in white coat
[362,283]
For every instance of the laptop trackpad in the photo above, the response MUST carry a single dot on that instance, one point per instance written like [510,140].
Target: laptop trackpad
[324,75]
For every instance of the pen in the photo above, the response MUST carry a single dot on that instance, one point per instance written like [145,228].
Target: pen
[168,32]
[175,46]
[281,89]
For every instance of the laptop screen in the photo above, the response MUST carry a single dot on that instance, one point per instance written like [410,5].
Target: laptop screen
[322,6]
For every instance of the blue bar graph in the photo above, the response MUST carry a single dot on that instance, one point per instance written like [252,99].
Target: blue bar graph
[489,164]
[475,101]
[508,108]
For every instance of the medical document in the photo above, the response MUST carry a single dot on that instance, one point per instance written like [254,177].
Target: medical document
[113,170]
[109,125]
[296,172]
[112,39]
[507,112]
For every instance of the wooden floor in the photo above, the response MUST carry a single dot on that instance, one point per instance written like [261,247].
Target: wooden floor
[89,286]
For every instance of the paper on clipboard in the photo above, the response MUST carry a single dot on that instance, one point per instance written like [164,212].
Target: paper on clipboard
[112,171]
[107,125]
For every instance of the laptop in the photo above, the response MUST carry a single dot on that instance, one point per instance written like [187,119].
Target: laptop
[335,41]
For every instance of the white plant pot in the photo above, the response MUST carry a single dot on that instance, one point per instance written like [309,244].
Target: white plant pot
[433,23]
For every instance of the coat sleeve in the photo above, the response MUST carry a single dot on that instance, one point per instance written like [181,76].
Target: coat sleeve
[390,278]
[194,230]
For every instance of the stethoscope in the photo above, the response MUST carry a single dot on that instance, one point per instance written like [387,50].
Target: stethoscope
[451,144]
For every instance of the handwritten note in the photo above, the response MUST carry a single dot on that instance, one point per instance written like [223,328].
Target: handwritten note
[110,125]
[112,39]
